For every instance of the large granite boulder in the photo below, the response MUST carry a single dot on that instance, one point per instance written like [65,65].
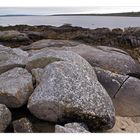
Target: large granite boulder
[5,117]
[124,91]
[15,87]
[10,58]
[69,92]
[72,128]
[43,57]
[108,58]
[47,43]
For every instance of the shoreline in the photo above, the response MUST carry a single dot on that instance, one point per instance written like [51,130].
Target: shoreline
[126,39]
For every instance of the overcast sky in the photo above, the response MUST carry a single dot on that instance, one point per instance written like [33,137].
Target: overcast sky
[67,10]
[27,3]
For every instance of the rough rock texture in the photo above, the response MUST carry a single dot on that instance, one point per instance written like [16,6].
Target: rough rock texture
[45,43]
[100,36]
[71,128]
[10,58]
[68,92]
[5,117]
[22,125]
[15,87]
[108,58]
[124,91]
[43,57]
[37,74]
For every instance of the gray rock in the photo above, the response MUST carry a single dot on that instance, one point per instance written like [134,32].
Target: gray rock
[124,91]
[108,58]
[71,128]
[45,43]
[13,35]
[37,74]
[5,117]
[127,100]
[15,87]
[35,35]
[110,81]
[10,58]
[67,92]
[22,125]
[43,57]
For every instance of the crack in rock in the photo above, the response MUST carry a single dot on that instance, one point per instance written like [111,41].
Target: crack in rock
[121,86]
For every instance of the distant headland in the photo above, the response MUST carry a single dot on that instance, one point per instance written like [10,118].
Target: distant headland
[125,14]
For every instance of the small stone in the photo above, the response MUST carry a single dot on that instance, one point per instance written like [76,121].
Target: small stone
[22,125]
[68,91]
[5,117]
[72,128]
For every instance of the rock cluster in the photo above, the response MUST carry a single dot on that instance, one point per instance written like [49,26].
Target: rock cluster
[75,87]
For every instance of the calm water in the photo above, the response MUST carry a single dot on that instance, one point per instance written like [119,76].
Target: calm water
[83,21]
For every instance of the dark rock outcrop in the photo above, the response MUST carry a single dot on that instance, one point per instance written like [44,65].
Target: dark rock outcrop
[13,37]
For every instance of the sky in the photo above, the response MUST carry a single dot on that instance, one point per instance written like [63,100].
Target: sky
[49,7]
[29,3]
[66,10]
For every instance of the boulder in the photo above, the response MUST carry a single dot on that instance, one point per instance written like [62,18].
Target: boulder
[10,58]
[43,57]
[110,81]
[108,58]
[13,35]
[71,128]
[15,87]
[124,91]
[47,43]
[5,117]
[68,92]
[127,99]
[22,125]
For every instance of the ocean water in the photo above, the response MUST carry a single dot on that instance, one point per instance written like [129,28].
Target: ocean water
[82,21]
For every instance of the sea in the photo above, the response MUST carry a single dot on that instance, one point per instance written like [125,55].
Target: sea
[91,22]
